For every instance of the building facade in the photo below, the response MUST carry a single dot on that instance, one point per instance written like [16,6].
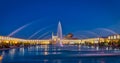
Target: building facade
[112,38]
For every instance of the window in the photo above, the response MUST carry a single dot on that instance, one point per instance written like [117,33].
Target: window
[118,36]
[115,37]
[111,37]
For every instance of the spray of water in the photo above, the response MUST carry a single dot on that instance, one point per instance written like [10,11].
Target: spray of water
[103,32]
[92,33]
[39,31]
[36,33]
[22,27]
[116,27]
[47,37]
[43,35]
[19,29]
[59,34]
[89,34]
[82,36]
[108,30]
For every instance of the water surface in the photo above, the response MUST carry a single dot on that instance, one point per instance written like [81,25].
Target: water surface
[55,54]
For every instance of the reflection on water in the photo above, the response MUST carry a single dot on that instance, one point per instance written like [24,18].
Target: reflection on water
[45,52]
[102,61]
[1,57]
[12,52]
[56,61]
[54,54]
[45,61]
[21,51]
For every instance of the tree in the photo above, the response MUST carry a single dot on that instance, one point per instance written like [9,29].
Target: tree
[69,36]
[118,43]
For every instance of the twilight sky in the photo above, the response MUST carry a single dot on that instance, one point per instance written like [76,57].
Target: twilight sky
[75,15]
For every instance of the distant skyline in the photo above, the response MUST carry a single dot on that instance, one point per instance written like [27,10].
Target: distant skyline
[75,16]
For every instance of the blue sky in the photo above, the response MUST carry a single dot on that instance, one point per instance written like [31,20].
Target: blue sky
[75,15]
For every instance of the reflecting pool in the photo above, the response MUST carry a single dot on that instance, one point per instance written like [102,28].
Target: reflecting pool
[55,54]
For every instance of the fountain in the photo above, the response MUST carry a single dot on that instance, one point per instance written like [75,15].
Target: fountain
[19,29]
[43,35]
[40,30]
[36,33]
[59,35]
[103,32]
